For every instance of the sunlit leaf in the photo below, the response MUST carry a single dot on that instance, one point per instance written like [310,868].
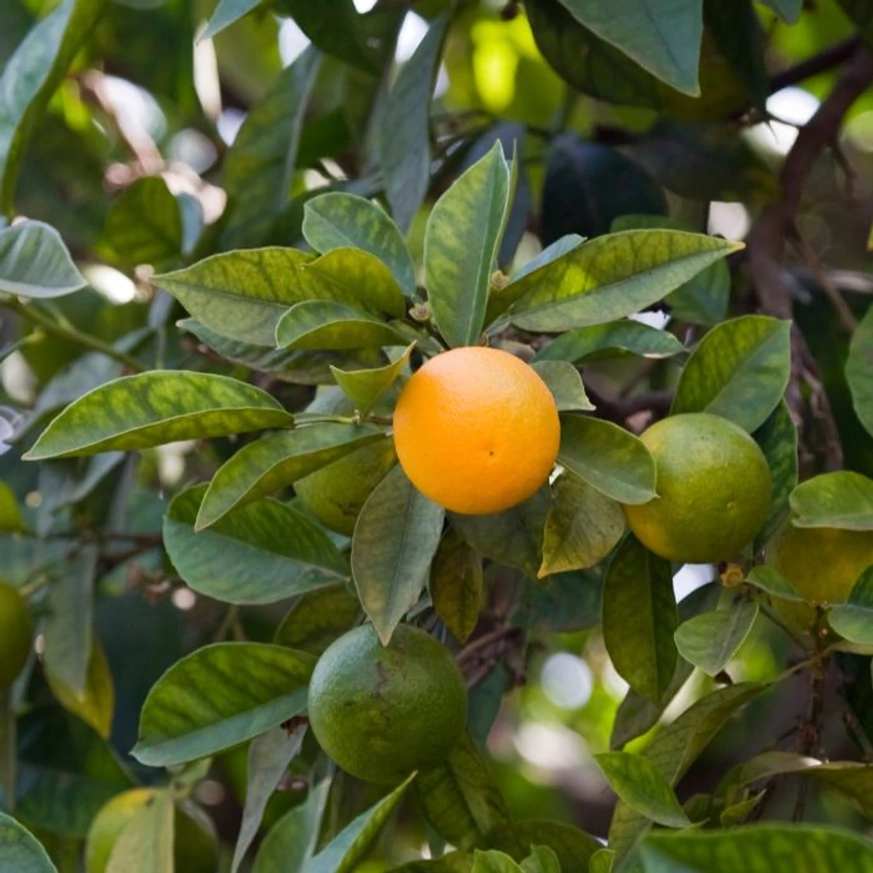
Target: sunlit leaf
[842,499]
[34,262]
[565,383]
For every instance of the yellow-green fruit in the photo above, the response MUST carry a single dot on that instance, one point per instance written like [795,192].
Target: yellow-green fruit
[193,847]
[382,712]
[713,487]
[823,563]
[16,634]
[335,494]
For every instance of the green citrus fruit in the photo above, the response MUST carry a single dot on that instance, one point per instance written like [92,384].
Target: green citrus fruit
[193,846]
[382,712]
[16,634]
[823,563]
[713,490]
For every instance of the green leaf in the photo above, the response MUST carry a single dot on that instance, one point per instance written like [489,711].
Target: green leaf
[663,40]
[583,526]
[776,848]
[151,409]
[739,371]
[405,142]
[456,585]
[605,340]
[68,630]
[611,277]
[10,514]
[269,757]
[260,165]
[262,553]
[318,618]
[290,844]
[396,537]
[573,847]
[144,224]
[460,798]
[226,13]
[561,602]
[365,387]
[854,618]
[602,861]
[643,787]
[494,862]
[242,295]
[701,300]
[20,851]
[767,579]
[675,748]
[841,499]
[34,262]
[607,457]
[737,35]
[565,383]
[95,705]
[777,438]
[859,370]
[323,324]
[513,538]
[542,859]
[639,618]
[276,461]
[146,842]
[460,246]
[351,844]
[789,10]
[339,220]
[184,719]
[711,639]
[30,78]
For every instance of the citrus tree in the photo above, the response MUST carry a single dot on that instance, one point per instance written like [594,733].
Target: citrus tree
[366,367]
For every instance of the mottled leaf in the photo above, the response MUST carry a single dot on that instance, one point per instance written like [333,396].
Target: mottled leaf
[318,618]
[34,262]
[777,438]
[323,324]
[219,696]
[607,457]
[456,585]
[264,552]
[841,499]
[606,340]
[565,383]
[739,371]
[711,639]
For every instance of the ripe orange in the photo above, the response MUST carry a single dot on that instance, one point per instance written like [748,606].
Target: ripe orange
[476,430]
[713,490]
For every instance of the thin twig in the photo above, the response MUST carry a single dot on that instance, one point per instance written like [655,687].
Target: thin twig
[825,60]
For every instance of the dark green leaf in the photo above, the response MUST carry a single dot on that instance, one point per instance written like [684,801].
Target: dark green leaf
[276,461]
[583,526]
[290,844]
[365,387]
[395,539]
[663,40]
[514,537]
[323,324]
[262,553]
[603,340]
[260,164]
[565,383]
[34,262]
[184,719]
[739,371]
[841,499]
[609,458]
[643,787]
[350,845]
[773,582]
[573,847]
[20,851]
[460,798]
[318,618]
[460,246]
[339,220]
[711,639]
[859,369]
[456,585]
[854,618]
[611,277]
[405,142]
[144,225]
[30,78]
[146,841]
[777,438]
[151,409]
[269,757]
[776,848]
[736,33]
[639,618]
[561,602]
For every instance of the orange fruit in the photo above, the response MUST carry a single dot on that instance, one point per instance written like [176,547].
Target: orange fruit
[713,490]
[381,712]
[476,430]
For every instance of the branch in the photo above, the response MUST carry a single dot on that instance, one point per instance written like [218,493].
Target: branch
[826,60]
